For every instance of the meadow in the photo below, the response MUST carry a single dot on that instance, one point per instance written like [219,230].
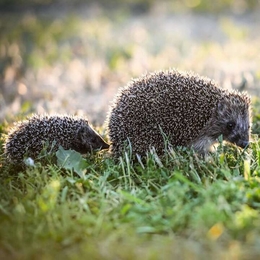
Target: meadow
[72,206]
[66,206]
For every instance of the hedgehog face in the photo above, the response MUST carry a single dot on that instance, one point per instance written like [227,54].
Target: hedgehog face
[233,121]
[88,140]
[237,133]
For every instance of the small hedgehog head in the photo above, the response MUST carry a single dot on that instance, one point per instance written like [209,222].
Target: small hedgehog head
[232,119]
[87,139]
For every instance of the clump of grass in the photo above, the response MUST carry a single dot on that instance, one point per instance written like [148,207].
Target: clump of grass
[180,205]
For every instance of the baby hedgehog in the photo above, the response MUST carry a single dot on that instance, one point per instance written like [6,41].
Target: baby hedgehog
[182,108]
[71,132]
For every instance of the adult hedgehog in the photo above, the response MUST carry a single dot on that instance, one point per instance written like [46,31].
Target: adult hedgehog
[187,109]
[71,132]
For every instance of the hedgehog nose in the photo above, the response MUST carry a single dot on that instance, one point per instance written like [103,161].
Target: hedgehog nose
[105,146]
[244,144]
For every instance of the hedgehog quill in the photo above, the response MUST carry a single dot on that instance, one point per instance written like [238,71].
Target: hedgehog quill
[188,109]
[71,132]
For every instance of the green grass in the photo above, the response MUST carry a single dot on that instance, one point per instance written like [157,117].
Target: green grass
[181,206]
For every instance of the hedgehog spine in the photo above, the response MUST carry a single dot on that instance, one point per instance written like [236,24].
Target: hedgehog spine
[71,132]
[191,110]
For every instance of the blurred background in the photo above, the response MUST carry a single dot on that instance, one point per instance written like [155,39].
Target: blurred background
[71,56]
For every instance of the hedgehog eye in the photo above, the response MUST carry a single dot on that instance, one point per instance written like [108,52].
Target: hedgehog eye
[230,125]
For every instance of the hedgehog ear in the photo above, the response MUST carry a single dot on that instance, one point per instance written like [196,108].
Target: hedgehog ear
[221,107]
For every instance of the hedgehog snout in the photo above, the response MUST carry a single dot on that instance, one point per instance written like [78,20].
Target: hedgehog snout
[88,140]
[241,141]
[99,144]
[243,144]
[96,142]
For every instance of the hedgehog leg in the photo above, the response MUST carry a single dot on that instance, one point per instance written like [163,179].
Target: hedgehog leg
[202,144]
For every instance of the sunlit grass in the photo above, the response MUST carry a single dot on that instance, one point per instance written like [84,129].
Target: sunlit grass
[181,205]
